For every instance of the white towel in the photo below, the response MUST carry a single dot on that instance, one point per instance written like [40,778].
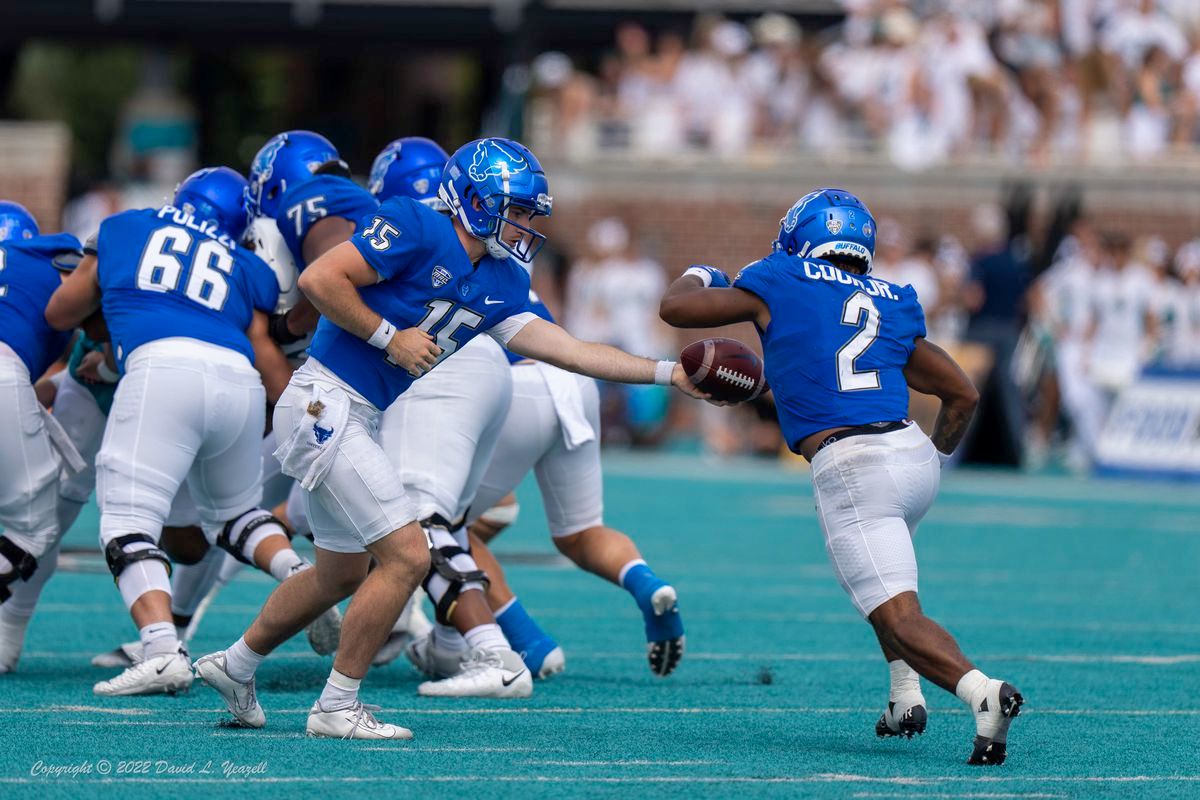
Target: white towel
[308,453]
[72,460]
[568,405]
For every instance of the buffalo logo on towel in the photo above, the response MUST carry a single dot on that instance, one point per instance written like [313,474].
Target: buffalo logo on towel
[441,276]
[322,434]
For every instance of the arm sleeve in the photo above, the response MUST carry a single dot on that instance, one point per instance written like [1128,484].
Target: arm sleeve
[392,240]
[504,330]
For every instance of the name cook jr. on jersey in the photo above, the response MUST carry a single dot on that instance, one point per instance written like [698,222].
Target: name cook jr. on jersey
[824,374]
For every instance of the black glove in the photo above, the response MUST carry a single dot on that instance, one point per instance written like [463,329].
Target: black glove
[278,330]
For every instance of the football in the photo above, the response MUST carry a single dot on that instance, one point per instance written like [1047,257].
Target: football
[725,368]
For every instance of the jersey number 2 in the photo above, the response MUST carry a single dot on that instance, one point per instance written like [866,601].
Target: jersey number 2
[858,306]
[160,268]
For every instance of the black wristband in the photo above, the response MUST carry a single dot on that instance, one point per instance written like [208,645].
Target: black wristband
[278,330]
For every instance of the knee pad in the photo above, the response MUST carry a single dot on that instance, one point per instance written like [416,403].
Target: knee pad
[452,570]
[23,565]
[241,536]
[122,551]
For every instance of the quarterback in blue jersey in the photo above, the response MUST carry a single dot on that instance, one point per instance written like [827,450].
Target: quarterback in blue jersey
[842,350]
[402,295]
[33,449]
[553,430]
[185,307]
[299,180]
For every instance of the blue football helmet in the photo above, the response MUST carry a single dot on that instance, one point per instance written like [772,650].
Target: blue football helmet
[218,194]
[16,222]
[409,167]
[828,222]
[286,160]
[498,173]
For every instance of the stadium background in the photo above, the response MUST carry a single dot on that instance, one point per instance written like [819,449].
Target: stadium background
[107,103]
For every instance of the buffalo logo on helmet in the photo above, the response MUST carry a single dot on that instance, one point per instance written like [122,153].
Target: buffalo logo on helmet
[833,225]
[867,229]
[265,162]
[792,218]
[379,171]
[441,276]
[493,159]
[421,185]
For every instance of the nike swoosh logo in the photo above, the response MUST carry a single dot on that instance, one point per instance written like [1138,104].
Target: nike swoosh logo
[487,301]
[509,682]
[163,668]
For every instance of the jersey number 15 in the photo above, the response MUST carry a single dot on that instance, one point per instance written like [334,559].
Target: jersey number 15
[160,269]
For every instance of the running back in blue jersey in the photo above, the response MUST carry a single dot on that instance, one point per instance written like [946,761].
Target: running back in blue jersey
[306,204]
[27,279]
[163,274]
[428,282]
[837,345]
[539,308]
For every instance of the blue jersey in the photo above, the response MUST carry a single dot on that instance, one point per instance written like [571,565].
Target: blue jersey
[837,344]
[426,281]
[539,308]
[305,205]
[164,274]
[27,279]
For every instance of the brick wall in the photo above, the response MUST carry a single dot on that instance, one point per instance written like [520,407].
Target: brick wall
[34,163]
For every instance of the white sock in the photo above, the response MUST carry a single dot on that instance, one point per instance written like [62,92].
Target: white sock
[972,689]
[625,569]
[905,680]
[340,691]
[486,637]
[448,637]
[158,639]
[241,662]
[285,564]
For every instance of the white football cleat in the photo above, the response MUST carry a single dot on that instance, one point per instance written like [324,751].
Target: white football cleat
[125,655]
[159,675]
[12,640]
[906,716]
[412,624]
[554,663]
[430,658]
[239,698]
[325,632]
[485,673]
[355,722]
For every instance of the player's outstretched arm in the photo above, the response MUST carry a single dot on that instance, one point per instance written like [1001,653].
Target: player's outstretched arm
[332,282]
[77,299]
[931,370]
[269,360]
[701,298]
[547,342]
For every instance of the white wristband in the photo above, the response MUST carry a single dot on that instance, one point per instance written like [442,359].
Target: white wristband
[662,373]
[704,275]
[382,335]
[106,374]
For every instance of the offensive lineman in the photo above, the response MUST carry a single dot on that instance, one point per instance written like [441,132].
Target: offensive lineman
[32,446]
[186,309]
[444,280]
[841,351]
[553,429]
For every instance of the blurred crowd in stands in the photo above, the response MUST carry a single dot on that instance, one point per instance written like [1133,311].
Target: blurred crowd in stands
[924,81]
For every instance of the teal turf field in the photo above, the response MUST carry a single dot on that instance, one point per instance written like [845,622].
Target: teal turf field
[1083,594]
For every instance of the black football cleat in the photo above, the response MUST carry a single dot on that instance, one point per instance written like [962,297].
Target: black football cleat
[910,723]
[1004,701]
